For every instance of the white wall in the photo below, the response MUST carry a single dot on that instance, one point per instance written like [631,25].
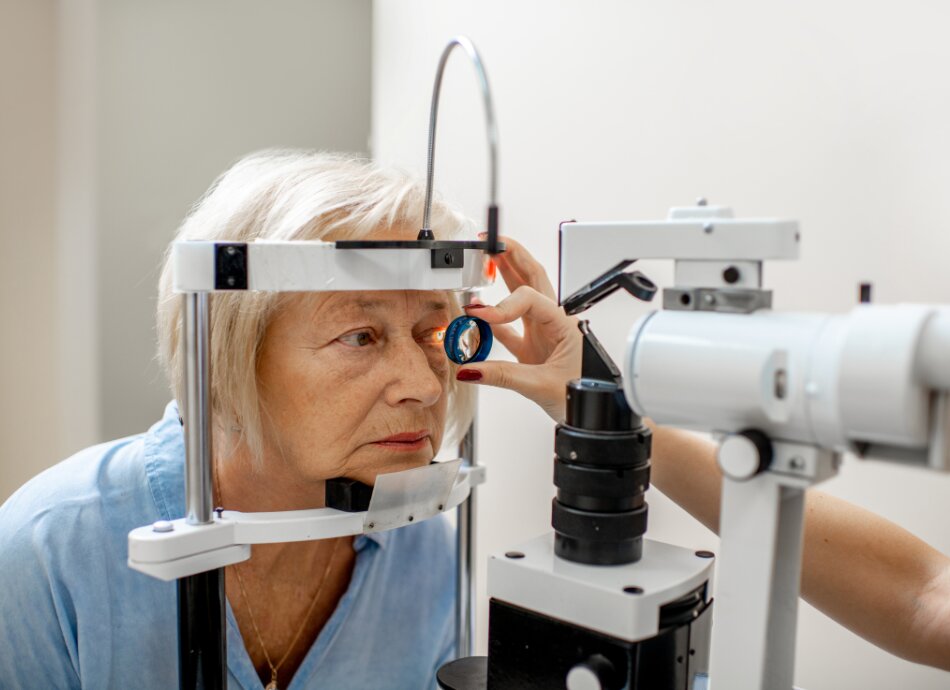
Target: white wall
[832,113]
[185,88]
[115,117]
[29,367]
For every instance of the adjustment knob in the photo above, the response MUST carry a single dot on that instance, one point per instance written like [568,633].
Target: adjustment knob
[744,455]
[593,674]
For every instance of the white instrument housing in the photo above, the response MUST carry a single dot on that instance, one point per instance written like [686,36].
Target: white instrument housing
[874,380]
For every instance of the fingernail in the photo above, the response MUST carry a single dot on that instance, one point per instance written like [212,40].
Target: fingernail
[469,375]
[474,306]
[483,234]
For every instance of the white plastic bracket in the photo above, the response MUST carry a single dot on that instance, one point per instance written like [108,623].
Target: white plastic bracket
[169,550]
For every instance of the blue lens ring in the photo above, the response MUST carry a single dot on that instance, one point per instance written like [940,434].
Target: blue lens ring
[453,336]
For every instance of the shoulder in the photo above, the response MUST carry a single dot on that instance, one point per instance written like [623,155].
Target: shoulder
[88,501]
[55,542]
[69,487]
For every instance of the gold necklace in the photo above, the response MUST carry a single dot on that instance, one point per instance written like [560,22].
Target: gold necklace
[250,614]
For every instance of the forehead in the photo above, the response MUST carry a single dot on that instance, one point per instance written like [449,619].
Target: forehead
[371,300]
[385,303]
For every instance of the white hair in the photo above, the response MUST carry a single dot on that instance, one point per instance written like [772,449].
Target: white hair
[288,195]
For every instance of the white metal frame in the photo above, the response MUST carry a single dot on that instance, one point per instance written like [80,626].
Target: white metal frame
[314,266]
[696,238]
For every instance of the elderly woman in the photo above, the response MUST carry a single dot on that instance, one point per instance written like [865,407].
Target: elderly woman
[310,387]
[306,387]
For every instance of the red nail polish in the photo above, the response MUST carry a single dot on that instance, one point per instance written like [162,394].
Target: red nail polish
[474,306]
[469,375]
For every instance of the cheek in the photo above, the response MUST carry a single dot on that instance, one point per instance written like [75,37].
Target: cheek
[317,400]
[339,396]
[440,365]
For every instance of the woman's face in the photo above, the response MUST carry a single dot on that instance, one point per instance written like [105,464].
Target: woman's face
[353,384]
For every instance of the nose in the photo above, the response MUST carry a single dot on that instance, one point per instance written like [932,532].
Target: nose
[413,379]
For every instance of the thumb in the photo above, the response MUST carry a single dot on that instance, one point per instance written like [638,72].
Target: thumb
[530,380]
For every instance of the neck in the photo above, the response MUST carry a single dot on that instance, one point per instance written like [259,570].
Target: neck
[270,485]
[243,485]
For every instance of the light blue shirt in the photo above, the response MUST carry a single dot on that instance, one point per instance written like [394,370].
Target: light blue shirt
[72,613]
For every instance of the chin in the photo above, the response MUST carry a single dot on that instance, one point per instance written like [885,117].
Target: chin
[387,462]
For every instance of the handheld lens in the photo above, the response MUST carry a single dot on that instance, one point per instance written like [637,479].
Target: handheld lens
[467,340]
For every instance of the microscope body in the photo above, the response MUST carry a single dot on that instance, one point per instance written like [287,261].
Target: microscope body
[594,605]
[786,395]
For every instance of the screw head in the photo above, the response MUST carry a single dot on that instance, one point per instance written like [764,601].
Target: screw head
[705,554]
[232,280]
[708,228]
[514,555]
[162,526]
[632,589]
[731,275]
[573,455]
[701,201]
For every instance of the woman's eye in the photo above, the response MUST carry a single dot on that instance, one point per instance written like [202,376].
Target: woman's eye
[434,337]
[358,339]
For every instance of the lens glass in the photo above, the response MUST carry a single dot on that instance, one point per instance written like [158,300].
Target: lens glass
[469,340]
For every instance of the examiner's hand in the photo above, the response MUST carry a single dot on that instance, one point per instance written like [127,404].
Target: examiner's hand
[549,351]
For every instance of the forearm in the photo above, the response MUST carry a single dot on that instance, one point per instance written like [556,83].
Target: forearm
[877,579]
[867,573]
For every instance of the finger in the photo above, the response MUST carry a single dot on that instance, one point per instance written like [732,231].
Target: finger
[521,378]
[510,338]
[525,302]
[509,273]
[529,380]
[528,269]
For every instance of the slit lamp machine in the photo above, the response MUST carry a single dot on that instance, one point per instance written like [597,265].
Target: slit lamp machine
[594,605]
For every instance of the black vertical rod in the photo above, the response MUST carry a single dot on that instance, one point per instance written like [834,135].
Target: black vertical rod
[202,652]
[202,648]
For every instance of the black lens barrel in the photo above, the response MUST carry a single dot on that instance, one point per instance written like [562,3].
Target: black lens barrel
[601,471]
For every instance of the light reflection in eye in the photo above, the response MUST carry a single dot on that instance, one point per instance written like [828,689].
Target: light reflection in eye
[434,337]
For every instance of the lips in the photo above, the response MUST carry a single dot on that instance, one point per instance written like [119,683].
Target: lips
[409,440]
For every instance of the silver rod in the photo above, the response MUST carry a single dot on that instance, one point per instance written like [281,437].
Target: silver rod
[465,556]
[492,130]
[196,344]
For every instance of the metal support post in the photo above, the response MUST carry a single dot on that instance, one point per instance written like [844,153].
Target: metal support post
[465,556]
[759,569]
[761,524]
[202,657]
